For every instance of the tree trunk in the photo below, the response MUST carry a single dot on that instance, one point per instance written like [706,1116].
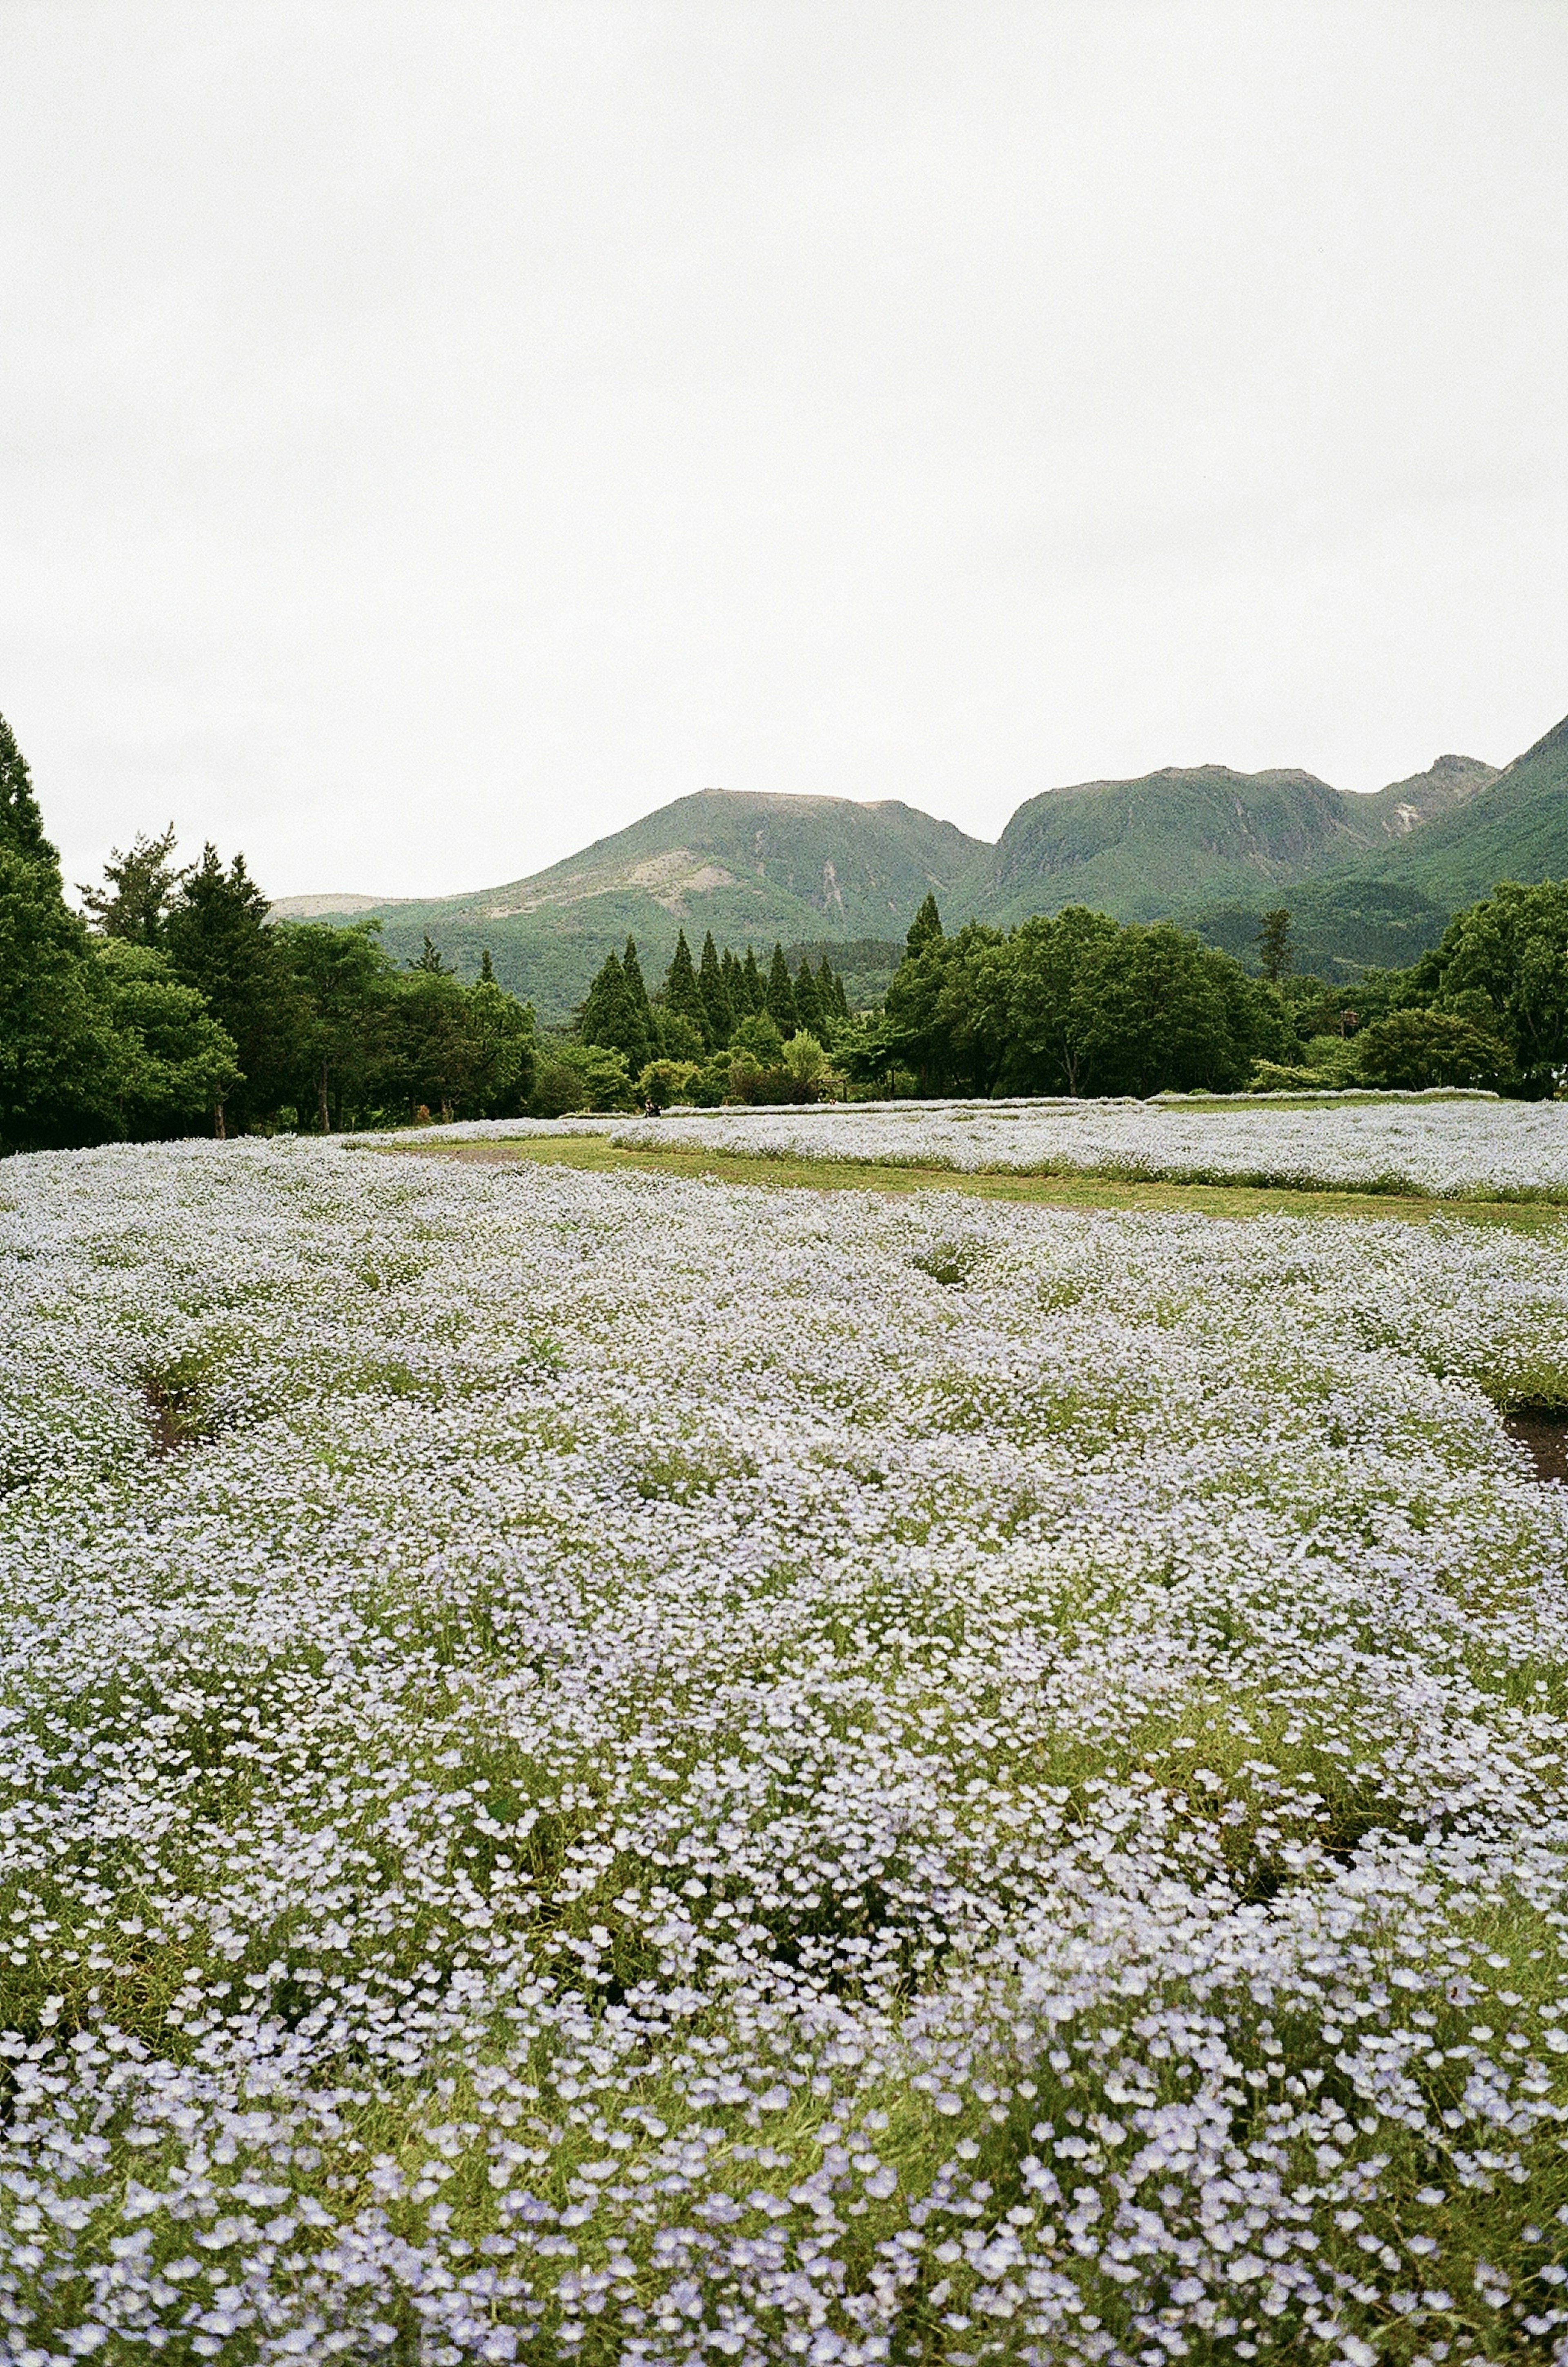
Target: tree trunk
[326,1114]
[219,1131]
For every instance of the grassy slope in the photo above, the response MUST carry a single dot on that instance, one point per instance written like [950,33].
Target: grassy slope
[1517,829]
[1180,839]
[1066,1191]
[753,869]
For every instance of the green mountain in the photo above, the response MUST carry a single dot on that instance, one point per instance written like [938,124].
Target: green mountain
[750,868]
[1515,828]
[1184,839]
[1368,880]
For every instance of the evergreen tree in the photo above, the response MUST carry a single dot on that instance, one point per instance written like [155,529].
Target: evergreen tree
[219,942]
[924,929]
[683,994]
[133,903]
[429,960]
[22,823]
[779,1001]
[754,990]
[61,1058]
[807,1002]
[487,968]
[713,984]
[732,979]
[611,1018]
[831,992]
[631,970]
[1273,943]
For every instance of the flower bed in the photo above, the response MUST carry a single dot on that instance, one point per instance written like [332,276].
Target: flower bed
[1438,1144]
[610,1767]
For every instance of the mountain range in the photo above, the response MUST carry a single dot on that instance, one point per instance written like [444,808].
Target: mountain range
[1368,879]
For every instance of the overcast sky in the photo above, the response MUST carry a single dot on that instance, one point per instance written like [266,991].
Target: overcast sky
[431,436]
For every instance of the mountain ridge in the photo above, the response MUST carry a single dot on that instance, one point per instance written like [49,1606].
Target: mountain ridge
[1204,845]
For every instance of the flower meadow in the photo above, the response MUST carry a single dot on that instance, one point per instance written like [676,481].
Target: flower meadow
[626,1769]
[1394,1143]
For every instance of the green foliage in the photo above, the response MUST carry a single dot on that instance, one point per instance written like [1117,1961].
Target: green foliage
[925,929]
[712,985]
[21,823]
[221,942]
[174,1063]
[663,1081]
[781,994]
[1416,1050]
[133,904]
[1504,963]
[1074,1004]
[1275,953]
[683,997]
[614,1018]
[577,1076]
[60,1060]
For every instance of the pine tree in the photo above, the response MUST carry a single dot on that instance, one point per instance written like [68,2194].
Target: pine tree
[753,991]
[637,992]
[133,903]
[712,985]
[61,1059]
[682,995]
[613,1019]
[807,1003]
[779,1000]
[924,929]
[833,984]
[487,968]
[1275,951]
[220,941]
[22,823]
[429,960]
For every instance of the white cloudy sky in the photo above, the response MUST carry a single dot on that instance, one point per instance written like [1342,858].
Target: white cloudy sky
[433,434]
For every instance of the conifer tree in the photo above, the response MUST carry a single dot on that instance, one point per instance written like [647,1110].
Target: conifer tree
[807,1002]
[430,960]
[833,986]
[22,823]
[924,929]
[220,941]
[682,995]
[487,968]
[637,992]
[779,1002]
[611,1018]
[133,903]
[713,986]
[752,989]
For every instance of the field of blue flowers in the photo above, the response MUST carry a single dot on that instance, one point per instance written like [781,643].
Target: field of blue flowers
[610,1767]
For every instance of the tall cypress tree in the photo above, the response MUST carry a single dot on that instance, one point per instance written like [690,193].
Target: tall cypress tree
[637,992]
[752,986]
[832,989]
[781,995]
[924,929]
[22,823]
[611,1018]
[713,986]
[807,1002]
[682,995]
[60,1059]
[220,941]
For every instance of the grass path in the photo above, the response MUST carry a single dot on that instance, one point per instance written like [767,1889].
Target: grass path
[1060,1190]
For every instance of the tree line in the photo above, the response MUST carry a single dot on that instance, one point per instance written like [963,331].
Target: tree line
[174,1004]
[1076,1004]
